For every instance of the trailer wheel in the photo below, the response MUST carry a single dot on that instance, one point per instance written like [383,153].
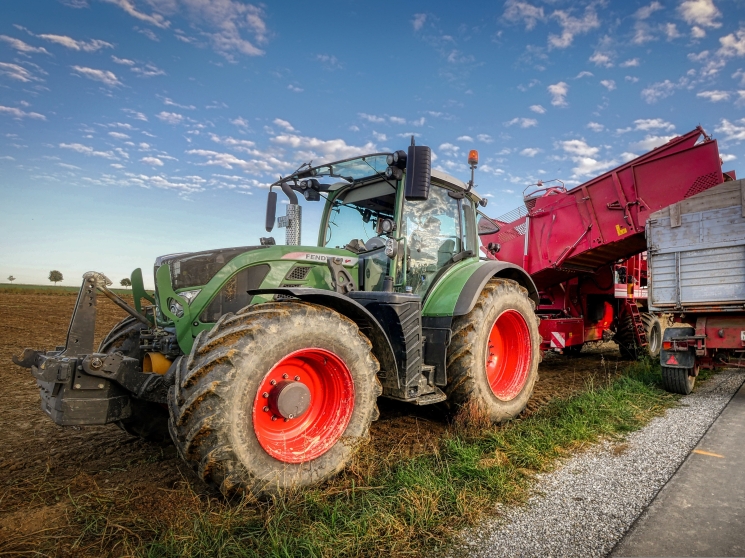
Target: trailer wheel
[148,420]
[653,329]
[494,353]
[678,380]
[274,397]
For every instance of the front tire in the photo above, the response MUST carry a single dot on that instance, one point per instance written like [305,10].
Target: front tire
[274,397]
[653,329]
[494,353]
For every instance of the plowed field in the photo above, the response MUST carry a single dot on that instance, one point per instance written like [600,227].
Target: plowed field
[77,491]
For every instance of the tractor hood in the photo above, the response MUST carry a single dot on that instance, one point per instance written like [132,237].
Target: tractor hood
[190,269]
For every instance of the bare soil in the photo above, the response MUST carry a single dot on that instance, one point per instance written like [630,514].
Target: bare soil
[58,483]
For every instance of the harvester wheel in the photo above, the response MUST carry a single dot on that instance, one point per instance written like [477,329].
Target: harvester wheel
[274,397]
[653,329]
[626,339]
[148,420]
[494,353]
[678,380]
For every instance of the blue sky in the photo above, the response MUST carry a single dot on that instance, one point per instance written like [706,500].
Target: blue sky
[135,128]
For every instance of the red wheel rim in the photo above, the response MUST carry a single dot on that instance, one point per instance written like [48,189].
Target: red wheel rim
[308,436]
[508,355]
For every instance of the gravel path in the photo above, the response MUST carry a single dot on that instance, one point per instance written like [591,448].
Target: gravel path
[585,506]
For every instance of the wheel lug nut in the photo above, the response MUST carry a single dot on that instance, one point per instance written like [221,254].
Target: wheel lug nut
[274,417]
[265,395]
[273,382]
[297,378]
[284,376]
[266,409]
[291,417]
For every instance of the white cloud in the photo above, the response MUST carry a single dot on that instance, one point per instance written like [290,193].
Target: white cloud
[104,76]
[397,120]
[418,21]
[486,138]
[284,124]
[153,19]
[659,90]
[583,73]
[631,79]
[123,61]
[595,126]
[18,113]
[698,32]
[295,88]
[647,124]
[329,62]
[572,26]
[170,117]
[88,151]
[731,130]
[578,147]
[700,13]
[468,139]
[321,150]
[609,84]
[633,62]
[152,161]
[587,166]
[558,93]
[601,59]
[530,151]
[516,11]
[240,122]
[449,148]
[118,135]
[714,96]
[733,44]
[371,118]
[522,122]
[538,109]
[171,103]
[68,42]
[22,47]
[727,157]
[136,115]
[148,70]
[16,72]
[379,136]
[646,11]
[671,31]
[650,142]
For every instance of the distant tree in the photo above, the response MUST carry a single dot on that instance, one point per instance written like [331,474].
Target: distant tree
[11,279]
[55,276]
[126,283]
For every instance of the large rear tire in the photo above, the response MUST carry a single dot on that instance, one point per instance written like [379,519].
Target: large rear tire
[494,353]
[274,397]
[678,380]
[148,420]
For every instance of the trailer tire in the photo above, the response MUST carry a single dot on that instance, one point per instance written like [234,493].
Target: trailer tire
[148,420]
[678,380]
[653,329]
[494,353]
[226,414]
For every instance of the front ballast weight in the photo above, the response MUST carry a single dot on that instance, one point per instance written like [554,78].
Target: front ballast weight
[81,387]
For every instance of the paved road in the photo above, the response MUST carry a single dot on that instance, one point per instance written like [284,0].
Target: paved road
[701,510]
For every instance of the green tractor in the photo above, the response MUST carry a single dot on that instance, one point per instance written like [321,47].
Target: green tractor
[264,363]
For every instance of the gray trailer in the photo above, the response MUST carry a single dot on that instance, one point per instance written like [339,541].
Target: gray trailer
[696,258]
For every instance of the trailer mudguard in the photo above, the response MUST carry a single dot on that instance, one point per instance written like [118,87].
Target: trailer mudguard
[455,294]
[678,358]
[346,306]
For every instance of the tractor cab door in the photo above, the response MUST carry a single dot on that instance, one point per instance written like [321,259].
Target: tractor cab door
[436,230]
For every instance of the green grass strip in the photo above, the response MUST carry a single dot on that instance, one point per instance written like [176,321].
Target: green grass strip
[413,506]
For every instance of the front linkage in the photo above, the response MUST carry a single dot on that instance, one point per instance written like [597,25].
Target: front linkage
[82,387]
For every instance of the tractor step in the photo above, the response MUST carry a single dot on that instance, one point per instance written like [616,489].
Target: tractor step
[431,398]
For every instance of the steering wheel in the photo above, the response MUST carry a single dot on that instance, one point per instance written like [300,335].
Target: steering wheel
[374,243]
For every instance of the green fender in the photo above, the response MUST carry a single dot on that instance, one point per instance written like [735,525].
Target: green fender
[456,292]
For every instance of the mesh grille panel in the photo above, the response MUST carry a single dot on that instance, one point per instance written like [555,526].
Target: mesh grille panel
[703,183]
[298,273]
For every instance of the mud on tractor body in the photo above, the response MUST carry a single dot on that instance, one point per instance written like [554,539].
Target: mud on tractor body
[263,364]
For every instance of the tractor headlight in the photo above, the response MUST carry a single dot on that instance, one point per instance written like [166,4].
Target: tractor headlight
[190,295]
[176,309]
[391,247]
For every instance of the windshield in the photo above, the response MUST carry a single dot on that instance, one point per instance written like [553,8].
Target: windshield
[358,168]
[355,213]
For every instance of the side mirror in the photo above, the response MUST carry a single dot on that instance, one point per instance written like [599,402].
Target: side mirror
[271,210]
[418,173]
